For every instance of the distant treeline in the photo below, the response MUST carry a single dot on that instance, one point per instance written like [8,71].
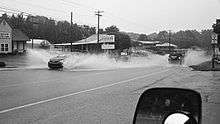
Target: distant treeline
[49,29]
[59,32]
[183,39]
[188,38]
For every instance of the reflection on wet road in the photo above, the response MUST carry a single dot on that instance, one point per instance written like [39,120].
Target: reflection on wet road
[109,96]
[94,90]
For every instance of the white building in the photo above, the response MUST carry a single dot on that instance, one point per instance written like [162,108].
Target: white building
[38,43]
[11,40]
[89,44]
[166,45]
[149,44]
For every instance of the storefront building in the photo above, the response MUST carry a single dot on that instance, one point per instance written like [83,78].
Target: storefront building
[11,40]
[89,44]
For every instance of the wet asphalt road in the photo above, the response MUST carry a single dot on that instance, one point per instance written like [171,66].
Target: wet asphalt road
[97,96]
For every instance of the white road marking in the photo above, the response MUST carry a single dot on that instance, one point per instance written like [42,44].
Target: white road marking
[46,82]
[84,91]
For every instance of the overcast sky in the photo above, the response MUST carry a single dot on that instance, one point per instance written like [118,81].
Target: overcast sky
[141,16]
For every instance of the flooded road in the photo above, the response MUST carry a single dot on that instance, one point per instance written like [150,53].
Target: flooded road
[98,96]
[31,59]
[94,88]
[38,58]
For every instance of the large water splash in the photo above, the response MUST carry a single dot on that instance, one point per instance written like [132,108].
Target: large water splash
[103,61]
[94,61]
[194,57]
[38,58]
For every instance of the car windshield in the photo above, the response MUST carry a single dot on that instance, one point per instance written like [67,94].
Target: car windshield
[89,61]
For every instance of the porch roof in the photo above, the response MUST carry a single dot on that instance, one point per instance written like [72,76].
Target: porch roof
[18,35]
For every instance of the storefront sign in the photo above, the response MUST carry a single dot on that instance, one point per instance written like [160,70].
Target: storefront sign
[107,39]
[108,46]
[4,35]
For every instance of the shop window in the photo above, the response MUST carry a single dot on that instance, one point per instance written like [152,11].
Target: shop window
[6,47]
[2,47]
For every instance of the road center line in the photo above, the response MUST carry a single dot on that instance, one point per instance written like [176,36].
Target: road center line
[46,82]
[84,91]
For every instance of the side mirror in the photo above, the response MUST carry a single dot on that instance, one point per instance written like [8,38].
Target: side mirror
[179,118]
[168,106]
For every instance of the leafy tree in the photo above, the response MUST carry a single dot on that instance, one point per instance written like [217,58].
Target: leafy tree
[187,38]
[101,31]
[112,29]
[122,40]
[59,32]
[216,27]
[205,39]
[163,36]
[143,37]
[46,28]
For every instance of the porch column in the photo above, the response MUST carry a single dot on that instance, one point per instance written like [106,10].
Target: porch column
[17,45]
[23,45]
[12,46]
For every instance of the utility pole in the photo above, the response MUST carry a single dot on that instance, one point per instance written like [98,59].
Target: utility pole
[169,39]
[98,13]
[32,42]
[71,33]
[34,23]
[215,42]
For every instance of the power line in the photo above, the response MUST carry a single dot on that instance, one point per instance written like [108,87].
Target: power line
[79,4]
[5,11]
[13,10]
[71,2]
[17,11]
[128,21]
[108,13]
[111,14]
[49,9]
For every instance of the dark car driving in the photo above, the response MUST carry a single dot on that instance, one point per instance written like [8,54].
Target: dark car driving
[175,58]
[56,62]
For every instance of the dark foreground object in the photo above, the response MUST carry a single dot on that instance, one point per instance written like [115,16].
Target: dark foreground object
[206,66]
[176,58]
[168,106]
[2,64]
[56,63]
[53,65]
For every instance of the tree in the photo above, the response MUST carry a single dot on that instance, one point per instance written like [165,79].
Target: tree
[101,31]
[111,29]
[206,38]
[4,16]
[143,37]
[216,27]
[186,39]
[152,36]
[163,36]
[122,40]
[46,28]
